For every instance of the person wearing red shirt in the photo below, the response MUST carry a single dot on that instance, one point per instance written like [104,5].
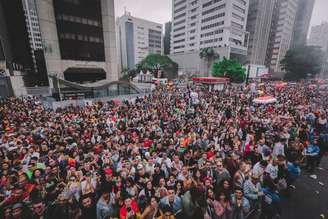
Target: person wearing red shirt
[130,209]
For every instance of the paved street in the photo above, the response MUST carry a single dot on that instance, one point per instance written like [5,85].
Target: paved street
[310,199]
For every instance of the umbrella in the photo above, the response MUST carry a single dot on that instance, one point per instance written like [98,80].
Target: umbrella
[265,100]
[117,102]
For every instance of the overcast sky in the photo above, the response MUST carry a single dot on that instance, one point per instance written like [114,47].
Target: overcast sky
[160,10]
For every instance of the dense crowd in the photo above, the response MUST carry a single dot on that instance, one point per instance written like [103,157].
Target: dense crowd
[167,155]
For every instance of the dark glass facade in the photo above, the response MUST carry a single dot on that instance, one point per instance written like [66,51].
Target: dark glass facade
[14,37]
[79,27]
[129,44]
[167,38]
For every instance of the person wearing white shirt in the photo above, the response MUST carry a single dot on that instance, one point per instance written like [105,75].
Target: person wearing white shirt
[272,169]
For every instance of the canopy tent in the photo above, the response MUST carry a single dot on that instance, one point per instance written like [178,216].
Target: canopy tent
[265,100]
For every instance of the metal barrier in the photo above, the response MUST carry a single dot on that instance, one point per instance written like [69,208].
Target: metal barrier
[51,104]
[38,91]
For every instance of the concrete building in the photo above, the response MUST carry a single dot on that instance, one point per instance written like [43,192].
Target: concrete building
[319,36]
[79,39]
[302,22]
[199,24]
[259,25]
[138,38]
[167,38]
[282,25]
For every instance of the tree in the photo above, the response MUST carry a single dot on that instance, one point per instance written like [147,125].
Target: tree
[156,62]
[128,74]
[229,68]
[301,62]
[209,55]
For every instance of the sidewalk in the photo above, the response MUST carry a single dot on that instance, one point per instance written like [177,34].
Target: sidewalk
[310,198]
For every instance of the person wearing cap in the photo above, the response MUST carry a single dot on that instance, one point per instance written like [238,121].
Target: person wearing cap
[108,179]
[17,211]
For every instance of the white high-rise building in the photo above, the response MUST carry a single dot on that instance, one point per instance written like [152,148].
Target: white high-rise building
[281,32]
[319,36]
[32,24]
[33,28]
[137,39]
[198,24]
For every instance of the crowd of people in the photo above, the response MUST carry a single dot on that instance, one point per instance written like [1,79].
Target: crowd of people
[162,156]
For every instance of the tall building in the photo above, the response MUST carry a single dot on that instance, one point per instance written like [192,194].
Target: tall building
[319,36]
[14,37]
[32,24]
[282,25]
[138,38]
[167,38]
[198,24]
[302,22]
[79,39]
[259,25]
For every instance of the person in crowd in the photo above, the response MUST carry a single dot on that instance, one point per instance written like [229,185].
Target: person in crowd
[172,201]
[105,205]
[152,210]
[240,205]
[88,206]
[161,155]
[312,155]
[130,209]
[253,191]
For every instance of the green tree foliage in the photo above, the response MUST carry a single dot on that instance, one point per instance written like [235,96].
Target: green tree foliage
[128,74]
[156,62]
[301,62]
[229,68]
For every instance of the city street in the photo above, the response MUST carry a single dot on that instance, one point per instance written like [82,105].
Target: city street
[310,198]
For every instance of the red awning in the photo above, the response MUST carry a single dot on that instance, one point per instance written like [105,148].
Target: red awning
[212,80]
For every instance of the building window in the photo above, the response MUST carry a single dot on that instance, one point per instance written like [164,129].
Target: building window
[180,9]
[180,3]
[210,3]
[214,9]
[179,41]
[236,25]
[237,8]
[212,25]
[180,34]
[213,17]
[180,28]
[234,15]
[179,22]
[179,16]
[179,47]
